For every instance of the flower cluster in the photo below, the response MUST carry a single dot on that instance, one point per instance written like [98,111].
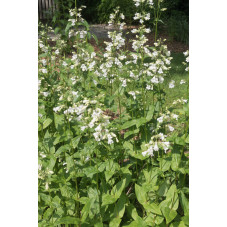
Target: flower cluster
[156,143]
[186,63]
[139,2]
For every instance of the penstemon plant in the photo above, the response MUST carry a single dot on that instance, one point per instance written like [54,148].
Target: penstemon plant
[111,152]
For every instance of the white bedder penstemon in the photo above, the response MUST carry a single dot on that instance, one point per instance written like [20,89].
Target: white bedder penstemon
[156,143]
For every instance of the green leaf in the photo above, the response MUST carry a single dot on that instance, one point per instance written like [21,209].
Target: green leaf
[115,222]
[70,162]
[178,224]
[119,209]
[118,188]
[152,208]
[129,133]
[185,219]
[83,200]
[139,222]
[56,30]
[184,203]
[140,194]
[128,145]
[150,113]
[90,171]
[165,164]
[75,141]
[155,219]
[179,141]
[176,158]
[63,148]
[108,174]
[46,123]
[68,26]
[152,176]
[140,122]
[95,38]
[108,199]
[172,196]
[98,224]
[169,214]
[128,124]
[132,211]
[163,188]
[56,202]
[48,213]
[85,210]
[68,220]
[59,121]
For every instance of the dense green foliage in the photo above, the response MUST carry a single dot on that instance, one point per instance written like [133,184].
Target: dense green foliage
[112,150]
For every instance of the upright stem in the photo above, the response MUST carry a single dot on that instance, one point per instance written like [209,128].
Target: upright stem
[119,101]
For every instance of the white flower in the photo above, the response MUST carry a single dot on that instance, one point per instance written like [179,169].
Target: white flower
[148,152]
[39,166]
[133,94]
[93,54]
[57,52]
[83,128]
[186,53]
[46,186]
[161,79]
[134,30]
[75,93]
[160,119]
[160,71]
[147,30]
[149,87]
[46,93]
[44,71]
[172,84]
[141,21]
[150,2]
[154,80]
[155,53]
[182,82]
[122,16]
[44,61]
[156,147]
[64,63]
[72,66]
[42,155]
[122,57]
[74,57]
[147,17]
[84,67]
[56,109]
[165,146]
[110,141]
[171,128]
[124,84]
[175,116]
[168,53]
[161,136]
